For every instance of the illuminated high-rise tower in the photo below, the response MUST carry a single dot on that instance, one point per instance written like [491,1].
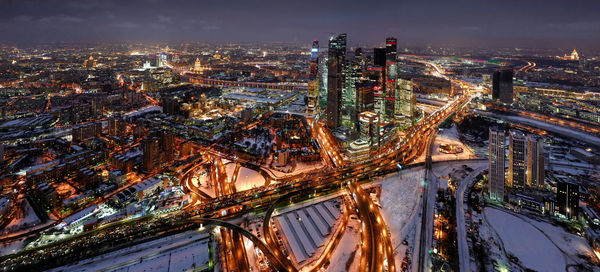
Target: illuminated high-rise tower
[314,59]
[517,154]
[502,86]
[496,164]
[535,162]
[391,74]
[335,79]
[377,73]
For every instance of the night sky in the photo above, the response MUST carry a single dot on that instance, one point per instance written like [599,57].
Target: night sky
[526,23]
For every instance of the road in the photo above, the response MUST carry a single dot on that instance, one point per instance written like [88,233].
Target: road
[400,151]
[377,251]
[428,196]
[463,247]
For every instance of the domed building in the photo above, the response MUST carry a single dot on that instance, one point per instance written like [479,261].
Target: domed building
[199,68]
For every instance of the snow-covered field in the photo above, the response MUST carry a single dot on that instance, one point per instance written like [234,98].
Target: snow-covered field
[538,245]
[28,218]
[399,201]
[202,182]
[347,253]
[566,131]
[247,179]
[525,242]
[181,252]
[450,136]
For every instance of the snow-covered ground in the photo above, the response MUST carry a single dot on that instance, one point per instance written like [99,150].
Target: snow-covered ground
[399,201]
[569,244]
[181,252]
[565,131]
[247,179]
[201,181]
[12,247]
[450,136]
[347,253]
[538,245]
[27,219]
[301,167]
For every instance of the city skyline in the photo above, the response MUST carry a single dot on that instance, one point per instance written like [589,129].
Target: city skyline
[155,135]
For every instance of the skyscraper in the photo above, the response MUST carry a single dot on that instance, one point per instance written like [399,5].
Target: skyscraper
[377,73]
[314,59]
[335,79]
[359,59]
[364,96]
[312,97]
[567,197]
[535,162]
[496,164]
[406,100]
[502,86]
[379,56]
[517,154]
[391,74]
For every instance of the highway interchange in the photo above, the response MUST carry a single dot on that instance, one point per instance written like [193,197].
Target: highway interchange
[339,175]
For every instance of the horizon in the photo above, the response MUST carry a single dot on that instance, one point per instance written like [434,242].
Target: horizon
[532,24]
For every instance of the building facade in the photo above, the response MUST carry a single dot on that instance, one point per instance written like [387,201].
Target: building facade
[502,86]
[335,79]
[496,164]
[517,154]
[536,172]
[567,198]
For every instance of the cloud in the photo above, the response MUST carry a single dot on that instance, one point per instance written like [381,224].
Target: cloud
[211,27]
[157,26]
[22,18]
[164,19]
[89,4]
[61,18]
[124,25]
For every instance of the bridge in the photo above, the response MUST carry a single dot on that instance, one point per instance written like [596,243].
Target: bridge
[287,86]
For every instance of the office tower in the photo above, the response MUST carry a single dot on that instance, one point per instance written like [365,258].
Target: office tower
[496,164]
[517,153]
[567,198]
[379,56]
[352,76]
[314,59]
[359,58]
[376,74]
[535,162]
[391,74]
[406,100]
[369,128]
[335,79]
[150,150]
[365,96]
[158,61]
[502,86]
[312,97]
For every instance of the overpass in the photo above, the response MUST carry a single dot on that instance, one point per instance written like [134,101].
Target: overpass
[286,86]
